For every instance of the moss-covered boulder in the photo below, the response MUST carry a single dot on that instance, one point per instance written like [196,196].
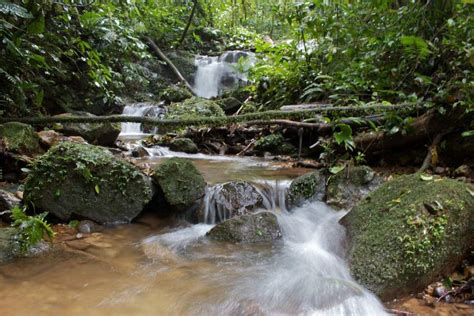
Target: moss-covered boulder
[309,187]
[183,144]
[408,232]
[229,105]
[86,181]
[230,199]
[194,107]
[20,138]
[274,144]
[252,228]
[104,134]
[8,245]
[180,183]
[175,93]
[350,185]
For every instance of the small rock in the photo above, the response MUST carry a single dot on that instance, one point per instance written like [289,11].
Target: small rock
[439,291]
[185,145]
[88,227]
[140,152]
[439,170]
[462,171]
[259,227]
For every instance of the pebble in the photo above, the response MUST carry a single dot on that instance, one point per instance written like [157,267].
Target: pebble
[439,291]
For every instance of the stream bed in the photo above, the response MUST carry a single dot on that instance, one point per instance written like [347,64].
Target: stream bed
[162,267]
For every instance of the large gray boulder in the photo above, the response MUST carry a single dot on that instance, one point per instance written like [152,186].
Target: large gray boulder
[88,181]
[408,232]
[230,199]
[251,228]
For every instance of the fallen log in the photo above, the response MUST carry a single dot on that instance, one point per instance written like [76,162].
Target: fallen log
[424,127]
[260,118]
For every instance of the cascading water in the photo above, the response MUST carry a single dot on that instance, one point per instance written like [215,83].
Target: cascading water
[140,110]
[217,73]
[305,275]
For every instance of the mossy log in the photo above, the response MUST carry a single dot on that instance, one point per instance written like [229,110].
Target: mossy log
[261,118]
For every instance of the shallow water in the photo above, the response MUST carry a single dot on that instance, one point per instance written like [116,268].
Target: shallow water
[169,268]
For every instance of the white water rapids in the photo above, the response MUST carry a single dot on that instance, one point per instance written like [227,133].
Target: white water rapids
[305,274]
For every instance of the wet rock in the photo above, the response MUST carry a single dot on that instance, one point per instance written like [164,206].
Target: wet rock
[439,291]
[351,185]
[175,93]
[49,138]
[104,134]
[7,202]
[8,247]
[259,227]
[274,144]
[231,199]
[185,145]
[194,107]
[462,171]
[20,139]
[396,246]
[89,227]
[140,152]
[179,182]
[87,181]
[308,188]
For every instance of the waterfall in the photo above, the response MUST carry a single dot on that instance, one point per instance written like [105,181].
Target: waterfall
[140,110]
[305,274]
[217,209]
[215,74]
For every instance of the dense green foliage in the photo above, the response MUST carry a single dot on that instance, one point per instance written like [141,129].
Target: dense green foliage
[58,56]
[360,51]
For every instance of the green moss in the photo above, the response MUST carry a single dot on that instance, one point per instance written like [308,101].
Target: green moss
[175,93]
[183,144]
[20,138]
[408,231]
[193,108]
[308,187]
[275,144]
[85,161]
[180,181]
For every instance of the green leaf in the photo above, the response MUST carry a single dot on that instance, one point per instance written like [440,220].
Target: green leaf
[97,189]
[468,133]
[37,25]
[336,169]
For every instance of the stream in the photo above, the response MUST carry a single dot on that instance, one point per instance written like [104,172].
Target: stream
[168,267]
[160,267]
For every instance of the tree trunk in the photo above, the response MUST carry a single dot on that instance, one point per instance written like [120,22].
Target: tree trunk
[190,20]
[158,51]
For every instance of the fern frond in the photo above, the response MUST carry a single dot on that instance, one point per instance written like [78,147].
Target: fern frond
[6,7]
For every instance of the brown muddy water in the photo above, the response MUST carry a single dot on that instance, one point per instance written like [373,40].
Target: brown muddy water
[163,267]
